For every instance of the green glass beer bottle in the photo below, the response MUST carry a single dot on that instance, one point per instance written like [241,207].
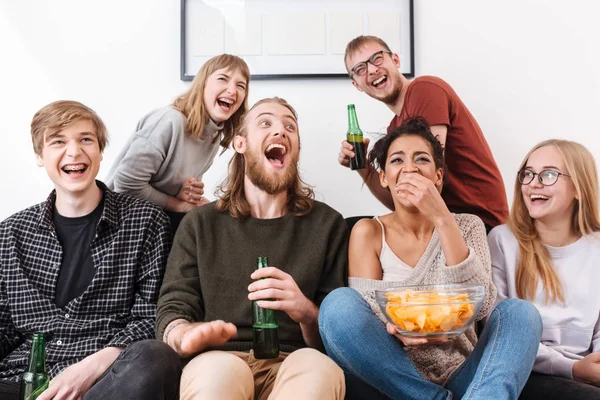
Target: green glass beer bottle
[264,326]
[35,380]
[355,138]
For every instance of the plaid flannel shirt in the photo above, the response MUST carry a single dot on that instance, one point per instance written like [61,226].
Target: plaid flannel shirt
[129,252]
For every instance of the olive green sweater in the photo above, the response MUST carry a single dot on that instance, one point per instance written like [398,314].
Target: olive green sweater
[213,255]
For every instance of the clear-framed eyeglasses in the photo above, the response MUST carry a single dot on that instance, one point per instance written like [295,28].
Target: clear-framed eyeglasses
[376,59]
[547,177]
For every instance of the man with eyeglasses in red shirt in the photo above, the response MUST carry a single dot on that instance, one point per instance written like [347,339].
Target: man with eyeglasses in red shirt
[473,183]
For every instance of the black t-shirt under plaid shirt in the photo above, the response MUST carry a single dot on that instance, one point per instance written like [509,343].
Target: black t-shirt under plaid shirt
[129,252]
[75,235]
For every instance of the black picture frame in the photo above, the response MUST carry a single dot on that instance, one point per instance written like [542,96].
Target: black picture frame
[186,76]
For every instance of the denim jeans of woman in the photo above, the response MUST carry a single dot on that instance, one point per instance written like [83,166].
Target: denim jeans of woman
[497,368]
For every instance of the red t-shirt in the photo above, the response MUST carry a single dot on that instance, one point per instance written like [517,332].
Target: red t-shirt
[473,183]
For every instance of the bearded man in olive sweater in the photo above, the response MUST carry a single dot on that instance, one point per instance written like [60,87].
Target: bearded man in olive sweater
[205,308]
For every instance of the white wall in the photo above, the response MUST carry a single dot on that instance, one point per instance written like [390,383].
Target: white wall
[528,70]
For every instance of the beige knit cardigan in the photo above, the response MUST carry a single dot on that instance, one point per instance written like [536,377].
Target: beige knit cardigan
[438,361]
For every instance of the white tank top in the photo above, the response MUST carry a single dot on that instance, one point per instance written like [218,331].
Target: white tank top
[394,269]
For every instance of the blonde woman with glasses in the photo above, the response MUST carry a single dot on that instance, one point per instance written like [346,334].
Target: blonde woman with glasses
[549,254]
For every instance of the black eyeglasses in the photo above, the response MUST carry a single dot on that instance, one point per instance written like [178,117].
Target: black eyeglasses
[376,59]
[547,177]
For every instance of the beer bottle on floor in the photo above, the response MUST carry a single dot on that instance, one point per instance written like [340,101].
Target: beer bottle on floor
[35,380]
[355,138]
[264,326]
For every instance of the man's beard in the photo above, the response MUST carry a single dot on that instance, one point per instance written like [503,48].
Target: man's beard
[270,183]
[391,98]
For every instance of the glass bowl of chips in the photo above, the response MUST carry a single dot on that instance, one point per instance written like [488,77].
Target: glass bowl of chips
[431,310]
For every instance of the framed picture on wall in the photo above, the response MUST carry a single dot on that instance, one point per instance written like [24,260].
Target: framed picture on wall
[292,38]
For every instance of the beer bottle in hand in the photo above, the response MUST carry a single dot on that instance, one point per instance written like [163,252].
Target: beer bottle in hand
[355,138]
[35,380]
[264,326]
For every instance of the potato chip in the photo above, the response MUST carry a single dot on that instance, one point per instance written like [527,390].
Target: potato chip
[429,312]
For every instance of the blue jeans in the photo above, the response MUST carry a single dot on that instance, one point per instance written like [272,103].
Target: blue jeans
[497,368]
